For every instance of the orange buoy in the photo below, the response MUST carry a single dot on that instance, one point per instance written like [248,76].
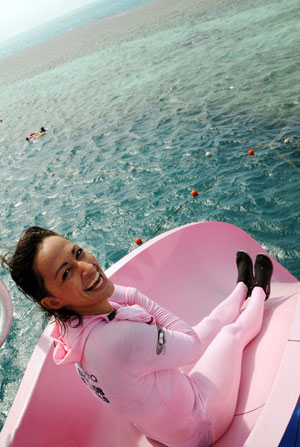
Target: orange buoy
[194,193]
[251,152]
[138,241]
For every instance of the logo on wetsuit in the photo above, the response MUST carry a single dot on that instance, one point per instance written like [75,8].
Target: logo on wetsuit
[92,382]
[161,340]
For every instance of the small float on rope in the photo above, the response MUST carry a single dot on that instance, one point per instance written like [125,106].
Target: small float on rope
[175,269]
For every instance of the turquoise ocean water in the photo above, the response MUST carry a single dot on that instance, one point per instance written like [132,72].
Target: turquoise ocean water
[222,77]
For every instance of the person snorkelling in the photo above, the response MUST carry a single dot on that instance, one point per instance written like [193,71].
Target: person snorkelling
[129,351]
[33,135]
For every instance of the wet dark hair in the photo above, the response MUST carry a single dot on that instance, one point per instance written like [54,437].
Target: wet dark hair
[43,129]
[20,264]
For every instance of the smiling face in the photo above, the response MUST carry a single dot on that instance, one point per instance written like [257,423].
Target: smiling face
[73,277]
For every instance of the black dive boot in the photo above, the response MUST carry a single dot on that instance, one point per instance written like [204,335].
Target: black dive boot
[245,270]
[263,272]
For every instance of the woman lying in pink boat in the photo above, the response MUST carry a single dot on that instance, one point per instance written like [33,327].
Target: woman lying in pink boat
[130,352]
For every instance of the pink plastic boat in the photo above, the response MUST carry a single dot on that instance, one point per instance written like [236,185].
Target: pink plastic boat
[53,408]
[6,312]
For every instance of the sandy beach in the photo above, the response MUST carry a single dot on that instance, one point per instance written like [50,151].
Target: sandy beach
[91,37]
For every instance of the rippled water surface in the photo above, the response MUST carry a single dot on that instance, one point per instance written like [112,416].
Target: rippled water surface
[223,78]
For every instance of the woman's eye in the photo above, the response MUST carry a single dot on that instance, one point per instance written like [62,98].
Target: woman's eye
[79,253]
[65,274]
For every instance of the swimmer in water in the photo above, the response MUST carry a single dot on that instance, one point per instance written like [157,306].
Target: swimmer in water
[129,351]
[33,135]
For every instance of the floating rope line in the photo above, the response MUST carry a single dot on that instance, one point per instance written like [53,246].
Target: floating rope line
[272,145]
[258,146]
[188,199]
[286,141]
[284,158]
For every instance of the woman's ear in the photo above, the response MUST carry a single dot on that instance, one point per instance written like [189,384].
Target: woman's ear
[51,302]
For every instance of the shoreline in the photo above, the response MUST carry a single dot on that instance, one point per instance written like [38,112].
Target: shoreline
[89,38]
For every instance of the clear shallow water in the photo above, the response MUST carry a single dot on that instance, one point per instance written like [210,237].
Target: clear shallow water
[223,78]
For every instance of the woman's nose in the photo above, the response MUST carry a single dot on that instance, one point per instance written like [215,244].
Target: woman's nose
[86,268]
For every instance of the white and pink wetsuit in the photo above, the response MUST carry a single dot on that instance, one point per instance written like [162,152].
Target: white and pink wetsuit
[134,363]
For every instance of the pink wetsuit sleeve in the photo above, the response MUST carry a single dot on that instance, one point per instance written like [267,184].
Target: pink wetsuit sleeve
[133,347]
[164,318]
[136,343]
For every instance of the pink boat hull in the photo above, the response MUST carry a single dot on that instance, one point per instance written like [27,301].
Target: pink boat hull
[6,313]
[53,409]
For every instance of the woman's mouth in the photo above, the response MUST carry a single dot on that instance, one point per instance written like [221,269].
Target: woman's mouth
[95,283]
